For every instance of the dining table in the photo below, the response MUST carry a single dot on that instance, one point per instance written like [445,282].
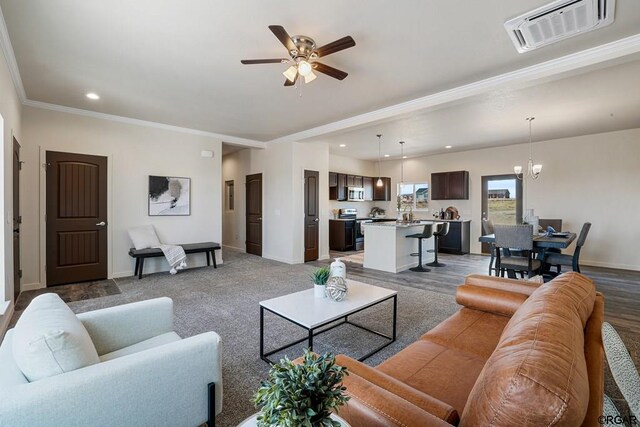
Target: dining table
[541,243]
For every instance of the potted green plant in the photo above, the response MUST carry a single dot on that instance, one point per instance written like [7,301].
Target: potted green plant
[319,278]
[302,394]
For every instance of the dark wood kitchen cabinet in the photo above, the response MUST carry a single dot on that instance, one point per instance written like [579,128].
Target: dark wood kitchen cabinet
[367,183]
[354,181]
[342,235]
[337,186]
[450,185]
[457,241]
[383,193]
[333,179]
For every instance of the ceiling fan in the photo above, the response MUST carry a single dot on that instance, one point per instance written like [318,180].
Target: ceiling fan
[303,56]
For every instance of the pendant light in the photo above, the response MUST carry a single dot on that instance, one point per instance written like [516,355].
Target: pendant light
[379,182]
[401,162]
[533,171]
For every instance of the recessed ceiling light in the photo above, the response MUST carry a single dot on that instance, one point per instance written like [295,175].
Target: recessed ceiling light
[448,146]
[343,145]
[386,155]
[93,96]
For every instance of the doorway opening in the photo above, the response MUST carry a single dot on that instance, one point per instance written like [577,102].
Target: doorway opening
[501,201]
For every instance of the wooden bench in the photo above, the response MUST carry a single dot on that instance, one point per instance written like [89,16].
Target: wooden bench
[208,248]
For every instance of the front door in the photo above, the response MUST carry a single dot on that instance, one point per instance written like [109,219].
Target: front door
[17,220]
[311,215]
[501,201]
[76,218]
[254,214]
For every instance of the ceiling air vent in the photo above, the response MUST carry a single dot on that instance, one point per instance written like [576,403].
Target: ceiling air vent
[558,20]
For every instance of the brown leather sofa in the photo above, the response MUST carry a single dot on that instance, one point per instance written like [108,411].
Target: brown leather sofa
[516,353]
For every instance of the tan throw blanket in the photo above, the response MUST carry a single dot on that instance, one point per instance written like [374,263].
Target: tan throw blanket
[176,257]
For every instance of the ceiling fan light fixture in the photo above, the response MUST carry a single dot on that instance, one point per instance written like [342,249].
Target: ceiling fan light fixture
[291,73]
[304,68]
[309,77]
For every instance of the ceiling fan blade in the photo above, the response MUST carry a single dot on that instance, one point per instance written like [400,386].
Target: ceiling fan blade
[283,36]
[329,71]
[336,46]
[288,82]
[263,61]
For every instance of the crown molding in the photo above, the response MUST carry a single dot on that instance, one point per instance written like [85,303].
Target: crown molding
[128,120]
[598,54]
[10,57]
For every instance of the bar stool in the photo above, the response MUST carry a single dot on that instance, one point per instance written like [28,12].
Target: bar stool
[427,233]
[443,230]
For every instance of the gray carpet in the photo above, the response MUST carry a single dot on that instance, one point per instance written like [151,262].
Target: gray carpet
[226,299]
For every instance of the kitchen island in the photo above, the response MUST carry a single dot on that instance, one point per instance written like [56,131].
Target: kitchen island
[387,248]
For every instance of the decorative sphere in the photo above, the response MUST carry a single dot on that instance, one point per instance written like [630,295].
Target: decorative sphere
[336,288]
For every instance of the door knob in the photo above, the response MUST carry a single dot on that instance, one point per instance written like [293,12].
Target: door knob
[260,219]
[101,224]
[317,219]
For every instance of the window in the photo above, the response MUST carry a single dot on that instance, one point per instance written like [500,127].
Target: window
[413,196]
[228,195]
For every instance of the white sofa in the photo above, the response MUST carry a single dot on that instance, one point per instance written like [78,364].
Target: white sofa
[147,375]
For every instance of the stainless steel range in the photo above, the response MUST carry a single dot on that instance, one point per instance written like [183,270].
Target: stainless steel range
[352,213]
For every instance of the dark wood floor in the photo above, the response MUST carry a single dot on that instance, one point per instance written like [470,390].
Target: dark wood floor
[621,288]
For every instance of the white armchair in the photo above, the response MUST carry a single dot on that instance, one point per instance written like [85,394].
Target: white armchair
[147,375]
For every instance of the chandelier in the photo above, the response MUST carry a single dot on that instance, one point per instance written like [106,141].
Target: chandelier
[533,170]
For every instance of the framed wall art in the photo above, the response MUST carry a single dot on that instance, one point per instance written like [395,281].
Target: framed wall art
[169,196]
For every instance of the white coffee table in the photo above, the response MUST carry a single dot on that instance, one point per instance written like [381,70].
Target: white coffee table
[314,314]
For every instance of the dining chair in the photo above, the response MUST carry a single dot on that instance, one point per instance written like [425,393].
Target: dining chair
[573,261]
[487,228]
[555,223]
[511,238]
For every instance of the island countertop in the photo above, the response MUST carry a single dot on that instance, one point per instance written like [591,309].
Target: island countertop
[399,225]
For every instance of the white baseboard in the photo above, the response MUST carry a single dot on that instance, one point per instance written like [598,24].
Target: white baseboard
[275,258]
[121,274]
[31,286]
[6,318]
[234,247]
[610,265]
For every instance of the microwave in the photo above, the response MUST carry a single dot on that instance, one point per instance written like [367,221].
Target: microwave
[355,194]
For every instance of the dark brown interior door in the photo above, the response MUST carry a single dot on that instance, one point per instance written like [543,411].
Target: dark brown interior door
[17,220]
[76,218]
[254,214]
[311,215]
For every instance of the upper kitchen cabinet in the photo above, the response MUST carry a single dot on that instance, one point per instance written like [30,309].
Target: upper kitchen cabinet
[383,193]
[450,185]
[337,186]
[367,183]
[354,181]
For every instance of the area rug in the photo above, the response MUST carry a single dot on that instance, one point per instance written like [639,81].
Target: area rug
[226,300]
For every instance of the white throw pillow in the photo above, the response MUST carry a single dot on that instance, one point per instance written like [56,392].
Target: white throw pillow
[49,339]
[144,237]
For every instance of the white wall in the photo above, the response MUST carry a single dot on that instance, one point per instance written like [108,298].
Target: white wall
[593,178]
[282,166]
[133,152]
[275,162]
[10,110]
[353,166]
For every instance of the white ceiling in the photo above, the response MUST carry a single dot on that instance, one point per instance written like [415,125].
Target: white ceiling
[579,103]
[178,62]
